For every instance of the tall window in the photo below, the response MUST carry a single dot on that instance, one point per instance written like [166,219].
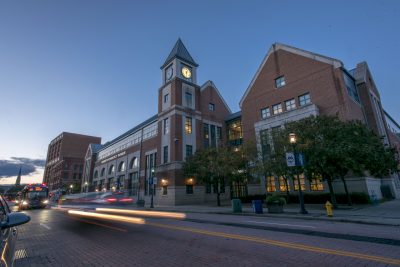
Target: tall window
[219,134]
[276,109]
[271,184]
[102,172]
[206,132]
[290,104]
[189,150]
[165,154]
[302,183]
[188,99]
[96,174]
[111,169]
[280,82]
[188,125]
[166,98]
[316,184]
[121,167]
[149,167]
[133,163]
[283,184]
[166,126]
[211,107]
[265,113]
[212,135]
[304,99]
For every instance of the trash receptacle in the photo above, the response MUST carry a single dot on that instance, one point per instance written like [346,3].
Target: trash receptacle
[236,205]
[257,206]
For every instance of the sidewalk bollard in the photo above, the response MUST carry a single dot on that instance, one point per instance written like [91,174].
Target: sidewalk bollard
[329,210]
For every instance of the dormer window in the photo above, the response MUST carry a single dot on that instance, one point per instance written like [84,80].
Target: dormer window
[280,82]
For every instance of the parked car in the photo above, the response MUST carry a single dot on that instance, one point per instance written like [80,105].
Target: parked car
[8,234]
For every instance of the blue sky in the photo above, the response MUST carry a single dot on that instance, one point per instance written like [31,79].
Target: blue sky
[92,67]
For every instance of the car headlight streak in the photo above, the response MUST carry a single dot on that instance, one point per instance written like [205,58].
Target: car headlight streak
[106,216]
[162,214]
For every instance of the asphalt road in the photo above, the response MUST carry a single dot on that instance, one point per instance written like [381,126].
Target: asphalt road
[56,238]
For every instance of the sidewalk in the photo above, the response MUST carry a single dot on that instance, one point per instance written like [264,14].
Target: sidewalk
[387,213]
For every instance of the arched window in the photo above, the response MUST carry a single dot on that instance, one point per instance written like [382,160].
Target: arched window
[111,169]
[121,166]
[96,174]
[133,163]
[102,172]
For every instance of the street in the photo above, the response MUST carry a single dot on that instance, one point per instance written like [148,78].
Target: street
[56,238]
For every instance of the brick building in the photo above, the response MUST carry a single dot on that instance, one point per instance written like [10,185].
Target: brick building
[290,84]
[65,158]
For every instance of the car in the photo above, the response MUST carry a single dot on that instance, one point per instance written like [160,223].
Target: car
[117,197]
[8,222]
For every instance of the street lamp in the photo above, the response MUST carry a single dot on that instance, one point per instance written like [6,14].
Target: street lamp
[71,186]
[153,187]
[293,141]
[86,186]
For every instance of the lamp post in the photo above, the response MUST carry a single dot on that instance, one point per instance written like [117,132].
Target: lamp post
[86,187]
[153,187]
[293,141]
[71,186]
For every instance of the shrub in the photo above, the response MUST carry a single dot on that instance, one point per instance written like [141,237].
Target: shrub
[275,200]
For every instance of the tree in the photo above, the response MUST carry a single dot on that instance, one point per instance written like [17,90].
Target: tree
[215,166]
[334,148]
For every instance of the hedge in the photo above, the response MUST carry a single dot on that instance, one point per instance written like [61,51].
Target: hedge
[356,198]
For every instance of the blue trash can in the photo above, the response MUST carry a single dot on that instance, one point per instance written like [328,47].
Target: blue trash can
[257,206]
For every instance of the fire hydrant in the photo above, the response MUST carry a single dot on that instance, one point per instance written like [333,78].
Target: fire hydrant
[329,210]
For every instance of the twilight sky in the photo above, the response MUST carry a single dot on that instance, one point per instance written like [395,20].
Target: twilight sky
[93,66]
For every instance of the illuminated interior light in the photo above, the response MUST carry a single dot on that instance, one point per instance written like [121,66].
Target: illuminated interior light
[174,215]
[107,216]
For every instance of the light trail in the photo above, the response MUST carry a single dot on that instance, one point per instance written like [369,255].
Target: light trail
[173,215]
[106,216]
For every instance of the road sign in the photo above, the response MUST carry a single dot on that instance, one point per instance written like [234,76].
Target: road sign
[154,180]
[290,159]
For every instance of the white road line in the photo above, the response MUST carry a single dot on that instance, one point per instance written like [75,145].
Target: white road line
[45,226]
[283,224]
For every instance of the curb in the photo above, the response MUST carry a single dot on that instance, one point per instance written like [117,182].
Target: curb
[296,217]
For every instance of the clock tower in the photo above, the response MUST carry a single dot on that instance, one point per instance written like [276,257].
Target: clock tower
[179,117]
[179,63]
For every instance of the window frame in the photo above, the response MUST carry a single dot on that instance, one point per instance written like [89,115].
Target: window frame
[280,109]
[280,81]
[292,104]
[265,111]
[188,125]
[304,99]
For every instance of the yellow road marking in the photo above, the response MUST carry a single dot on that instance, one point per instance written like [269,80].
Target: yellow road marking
[282,244]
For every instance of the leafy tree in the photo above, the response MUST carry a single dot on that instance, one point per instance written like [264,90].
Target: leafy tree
[215,166]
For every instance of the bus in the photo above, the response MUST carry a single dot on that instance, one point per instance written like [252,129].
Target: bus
[34,196]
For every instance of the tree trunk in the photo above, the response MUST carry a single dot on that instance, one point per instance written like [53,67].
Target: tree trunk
[347,191]
[287,188]
[331,192]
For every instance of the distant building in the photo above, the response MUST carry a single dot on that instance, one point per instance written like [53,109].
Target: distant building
[65,159]
[289,85]
[18,181]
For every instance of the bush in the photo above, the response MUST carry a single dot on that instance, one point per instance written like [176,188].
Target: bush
[356,198]
[275,200]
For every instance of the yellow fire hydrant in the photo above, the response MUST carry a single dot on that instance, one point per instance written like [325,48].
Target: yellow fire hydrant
[329,209]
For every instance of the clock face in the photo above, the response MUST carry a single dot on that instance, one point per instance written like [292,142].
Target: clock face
[169,73]
[186,72]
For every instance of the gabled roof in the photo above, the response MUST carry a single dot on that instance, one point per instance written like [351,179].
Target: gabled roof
[233,116]
[179,51]
[277,46]
[210,83]
[131,131]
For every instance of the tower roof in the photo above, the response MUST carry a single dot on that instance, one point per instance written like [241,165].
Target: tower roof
[179,51]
